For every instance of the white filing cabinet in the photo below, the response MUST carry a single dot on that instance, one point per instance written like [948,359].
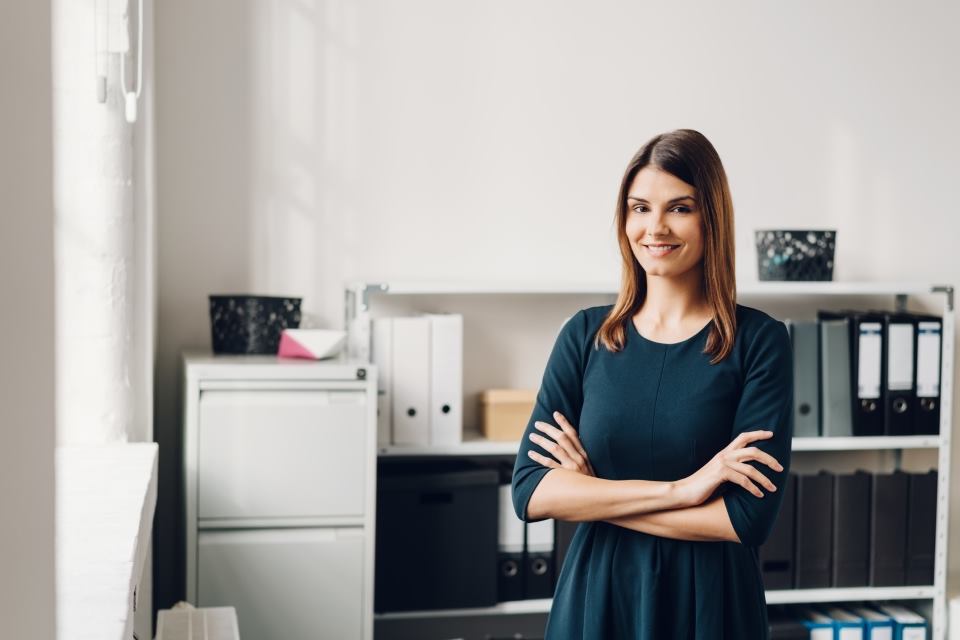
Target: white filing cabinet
[279,463]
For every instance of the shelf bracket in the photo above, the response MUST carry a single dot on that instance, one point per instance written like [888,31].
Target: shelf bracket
[948,291]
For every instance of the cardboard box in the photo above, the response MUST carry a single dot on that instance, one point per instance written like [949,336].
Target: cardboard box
[505,413]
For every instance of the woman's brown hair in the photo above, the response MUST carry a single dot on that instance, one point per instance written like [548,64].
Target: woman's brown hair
[689,156]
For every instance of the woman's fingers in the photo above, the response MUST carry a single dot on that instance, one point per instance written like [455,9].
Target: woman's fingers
[736,477]
[754,475]
[570,431]
[752,453]
[562,440]
[544,460]
[747,437]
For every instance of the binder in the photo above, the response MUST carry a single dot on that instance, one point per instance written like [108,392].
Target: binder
[867,372]
[876,625]
[411,380]
[835,380]
[538,574]
[446,378]
[851,530]
[510,534]
[819,626]
[806,378]
[921,527]
[907,624]
[864,366]
[888,529]
[381,348]
[846,626]
[776,554]
[813,530]
[929,353]
[899,384]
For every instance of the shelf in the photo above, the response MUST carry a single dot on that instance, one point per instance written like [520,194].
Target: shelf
[847,594]
[611,288]
[475,445]
[791,596]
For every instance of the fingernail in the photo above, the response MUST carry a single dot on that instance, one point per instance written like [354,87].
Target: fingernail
[556,413]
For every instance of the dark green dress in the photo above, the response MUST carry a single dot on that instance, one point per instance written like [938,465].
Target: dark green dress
[658,411]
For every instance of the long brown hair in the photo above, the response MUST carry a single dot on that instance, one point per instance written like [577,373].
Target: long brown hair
[689,156]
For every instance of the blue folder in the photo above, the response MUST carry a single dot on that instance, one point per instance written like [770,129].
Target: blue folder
[907,624]
[878,626]
[846,626]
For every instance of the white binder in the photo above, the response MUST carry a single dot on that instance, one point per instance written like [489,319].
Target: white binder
[411,380]
[446,378]
[381,347]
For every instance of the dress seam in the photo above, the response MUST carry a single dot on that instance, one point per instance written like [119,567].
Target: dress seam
[653,418]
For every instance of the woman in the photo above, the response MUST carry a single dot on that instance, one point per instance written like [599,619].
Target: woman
[663,422]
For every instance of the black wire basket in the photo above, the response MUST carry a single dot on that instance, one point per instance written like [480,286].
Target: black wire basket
[251,324]
[795,254]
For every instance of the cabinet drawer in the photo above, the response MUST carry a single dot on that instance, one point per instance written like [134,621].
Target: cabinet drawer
[281,454]
[285,583]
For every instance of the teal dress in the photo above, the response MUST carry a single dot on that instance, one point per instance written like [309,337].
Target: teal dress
[659,411]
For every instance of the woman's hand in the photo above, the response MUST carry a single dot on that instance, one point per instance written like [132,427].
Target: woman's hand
[730,465]
[563,444]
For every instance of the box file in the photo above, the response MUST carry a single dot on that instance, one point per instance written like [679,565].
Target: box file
[876,625]
[776,554]
[806,378]
[888,529]
[908,625]
[867,371]
[813,530]
[381,351]
[846,626]
[818,625]
[539,573]
[446,378]
[929,362]
[510,542]
[411,380]
[835,380]
[851,529]
[899,385]
[921,528]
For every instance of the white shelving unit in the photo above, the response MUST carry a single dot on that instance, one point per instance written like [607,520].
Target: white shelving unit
[358,297]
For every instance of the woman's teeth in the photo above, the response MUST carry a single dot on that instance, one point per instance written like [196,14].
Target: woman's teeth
[661,249]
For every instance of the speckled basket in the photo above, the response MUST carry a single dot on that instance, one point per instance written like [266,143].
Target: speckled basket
[251,324]
[795,254]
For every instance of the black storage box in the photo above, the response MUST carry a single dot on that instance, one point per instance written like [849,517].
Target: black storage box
[795,254]
[251,324]
[436,540]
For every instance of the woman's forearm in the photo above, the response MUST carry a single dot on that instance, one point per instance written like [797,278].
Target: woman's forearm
[705,522]
[575,497]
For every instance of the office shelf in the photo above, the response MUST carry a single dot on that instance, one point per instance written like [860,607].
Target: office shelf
[789,596]
[358,296]
[476,445]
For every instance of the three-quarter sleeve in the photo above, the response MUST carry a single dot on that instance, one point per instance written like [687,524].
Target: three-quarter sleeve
[766,403]
[561,390]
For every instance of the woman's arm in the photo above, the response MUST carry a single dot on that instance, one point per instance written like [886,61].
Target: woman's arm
[569,495]
[705,522]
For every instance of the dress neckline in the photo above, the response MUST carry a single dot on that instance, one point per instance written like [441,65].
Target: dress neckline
[702,330]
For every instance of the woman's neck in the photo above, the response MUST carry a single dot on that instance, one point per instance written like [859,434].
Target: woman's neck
[675,301]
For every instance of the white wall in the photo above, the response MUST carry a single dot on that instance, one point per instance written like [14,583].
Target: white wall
[305,142]
[27,372]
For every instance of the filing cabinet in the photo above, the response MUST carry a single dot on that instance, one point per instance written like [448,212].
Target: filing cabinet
[279,478]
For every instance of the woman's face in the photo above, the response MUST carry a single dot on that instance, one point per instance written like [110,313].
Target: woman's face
[664,223]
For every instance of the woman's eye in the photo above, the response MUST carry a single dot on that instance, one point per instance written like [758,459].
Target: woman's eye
[681,209]
[639,208]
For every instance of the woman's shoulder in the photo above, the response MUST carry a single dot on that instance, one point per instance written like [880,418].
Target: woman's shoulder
[757,327]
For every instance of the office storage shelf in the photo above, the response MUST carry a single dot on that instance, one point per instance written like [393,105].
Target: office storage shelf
[789,596]
[357,323]
[475,445]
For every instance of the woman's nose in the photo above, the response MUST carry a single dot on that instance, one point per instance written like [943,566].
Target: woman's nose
[657,224]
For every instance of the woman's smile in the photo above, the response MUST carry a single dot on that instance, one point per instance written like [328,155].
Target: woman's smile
[661,250]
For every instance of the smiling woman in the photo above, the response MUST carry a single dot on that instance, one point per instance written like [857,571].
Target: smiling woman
[670,444]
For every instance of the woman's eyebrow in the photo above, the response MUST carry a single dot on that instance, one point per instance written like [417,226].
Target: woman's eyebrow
[668,202]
